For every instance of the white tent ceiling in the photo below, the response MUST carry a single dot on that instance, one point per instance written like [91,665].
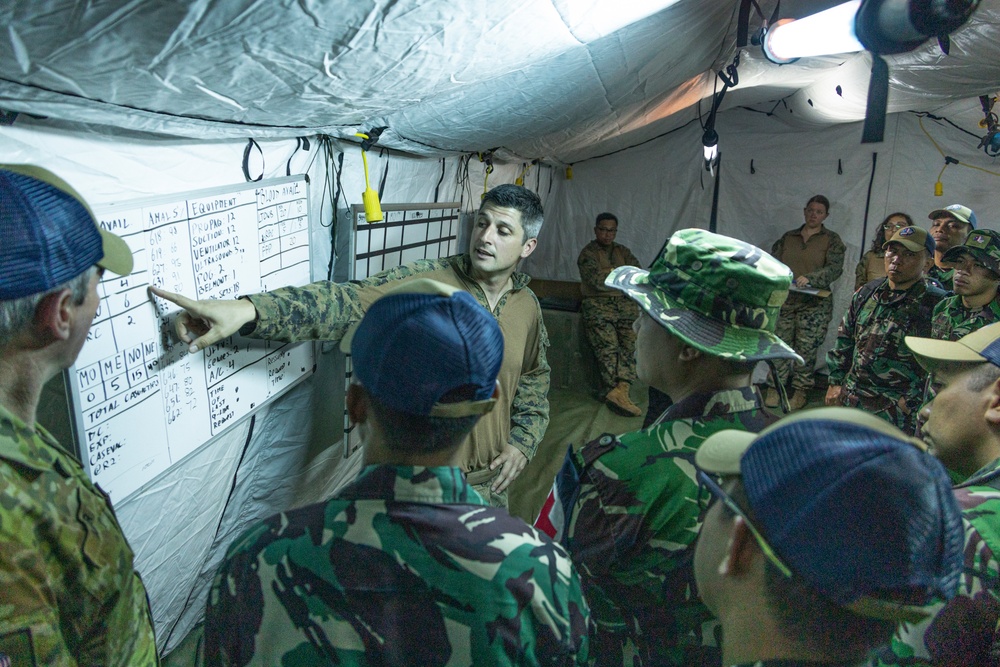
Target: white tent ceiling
[554,80]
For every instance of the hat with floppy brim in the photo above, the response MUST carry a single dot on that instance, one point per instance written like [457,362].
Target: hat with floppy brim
[705,333]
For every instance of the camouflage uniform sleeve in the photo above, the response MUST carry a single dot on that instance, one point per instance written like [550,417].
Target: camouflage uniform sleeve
[318,311]
[940,325]
[529,411]
[824,277]
[324,310]
[631,259]
[839,358]
[778,248]
[591,273]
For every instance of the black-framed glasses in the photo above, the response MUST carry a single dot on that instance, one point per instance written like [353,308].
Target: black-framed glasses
[705,481]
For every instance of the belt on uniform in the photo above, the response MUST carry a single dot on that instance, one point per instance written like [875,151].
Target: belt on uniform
[476,477]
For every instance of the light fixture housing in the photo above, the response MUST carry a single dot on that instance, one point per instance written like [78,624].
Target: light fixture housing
[883,27]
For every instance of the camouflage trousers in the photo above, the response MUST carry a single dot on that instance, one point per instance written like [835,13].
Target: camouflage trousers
[896,413]
[607,323]
[803,324]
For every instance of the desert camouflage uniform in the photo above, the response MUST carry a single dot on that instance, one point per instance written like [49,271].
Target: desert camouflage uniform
[627,509]
[965,632]
[70,595]
[805,319]
[608,314]
[943,277]
[869,359]
[952,319]
[405,566]
[325,310]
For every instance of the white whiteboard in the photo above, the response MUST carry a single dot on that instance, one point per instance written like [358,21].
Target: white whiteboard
[140,401]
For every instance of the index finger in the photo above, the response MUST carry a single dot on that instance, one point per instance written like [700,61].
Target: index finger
[173,297]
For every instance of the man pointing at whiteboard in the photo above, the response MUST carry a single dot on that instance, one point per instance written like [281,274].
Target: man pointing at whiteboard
[505,232]
[70,594]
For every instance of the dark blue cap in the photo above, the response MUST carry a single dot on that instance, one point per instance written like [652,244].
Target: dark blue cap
[423,341]
[48,235]
[857,509]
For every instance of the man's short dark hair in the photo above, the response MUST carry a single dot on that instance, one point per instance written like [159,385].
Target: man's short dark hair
[803,613]
[606,216]
[419,434]
[522,200]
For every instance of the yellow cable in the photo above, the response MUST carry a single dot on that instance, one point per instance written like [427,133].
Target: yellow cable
[970,166]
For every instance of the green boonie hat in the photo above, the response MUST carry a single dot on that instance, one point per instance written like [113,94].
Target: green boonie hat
[718,294]
[983,245]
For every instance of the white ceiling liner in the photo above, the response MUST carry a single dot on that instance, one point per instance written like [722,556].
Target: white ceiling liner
[445,76]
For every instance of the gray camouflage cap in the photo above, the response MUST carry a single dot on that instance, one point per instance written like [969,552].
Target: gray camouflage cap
[983,245]
[716,293]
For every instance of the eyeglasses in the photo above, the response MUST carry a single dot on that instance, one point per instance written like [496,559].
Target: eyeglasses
[706,482]
[895,226]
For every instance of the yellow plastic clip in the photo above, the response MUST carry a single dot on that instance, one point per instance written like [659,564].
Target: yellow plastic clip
[373,209]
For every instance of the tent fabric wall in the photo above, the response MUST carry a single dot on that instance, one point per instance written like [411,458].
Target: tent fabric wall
[661,186]
[181,524]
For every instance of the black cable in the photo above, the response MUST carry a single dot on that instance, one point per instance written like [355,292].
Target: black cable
[868,202]
[218,526]
[437,188]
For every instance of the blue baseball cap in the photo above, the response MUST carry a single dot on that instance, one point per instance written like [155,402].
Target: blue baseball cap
[48,234]
[856,508]
[422,341]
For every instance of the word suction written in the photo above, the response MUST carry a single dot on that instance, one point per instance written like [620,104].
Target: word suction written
[143,402]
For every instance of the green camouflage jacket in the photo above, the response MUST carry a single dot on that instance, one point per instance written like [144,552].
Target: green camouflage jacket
[70,593]
[943,277]
[952,320]
[627,509]
[325,310]
[966,630]
[596,262]
[405,566]
[869,359]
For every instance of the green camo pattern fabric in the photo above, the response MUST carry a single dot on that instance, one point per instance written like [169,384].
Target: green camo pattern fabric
[633,514]
[952,320]
[943,277]
[70,593]
[869,359]
[405,566]
[964,632]
[716,293]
